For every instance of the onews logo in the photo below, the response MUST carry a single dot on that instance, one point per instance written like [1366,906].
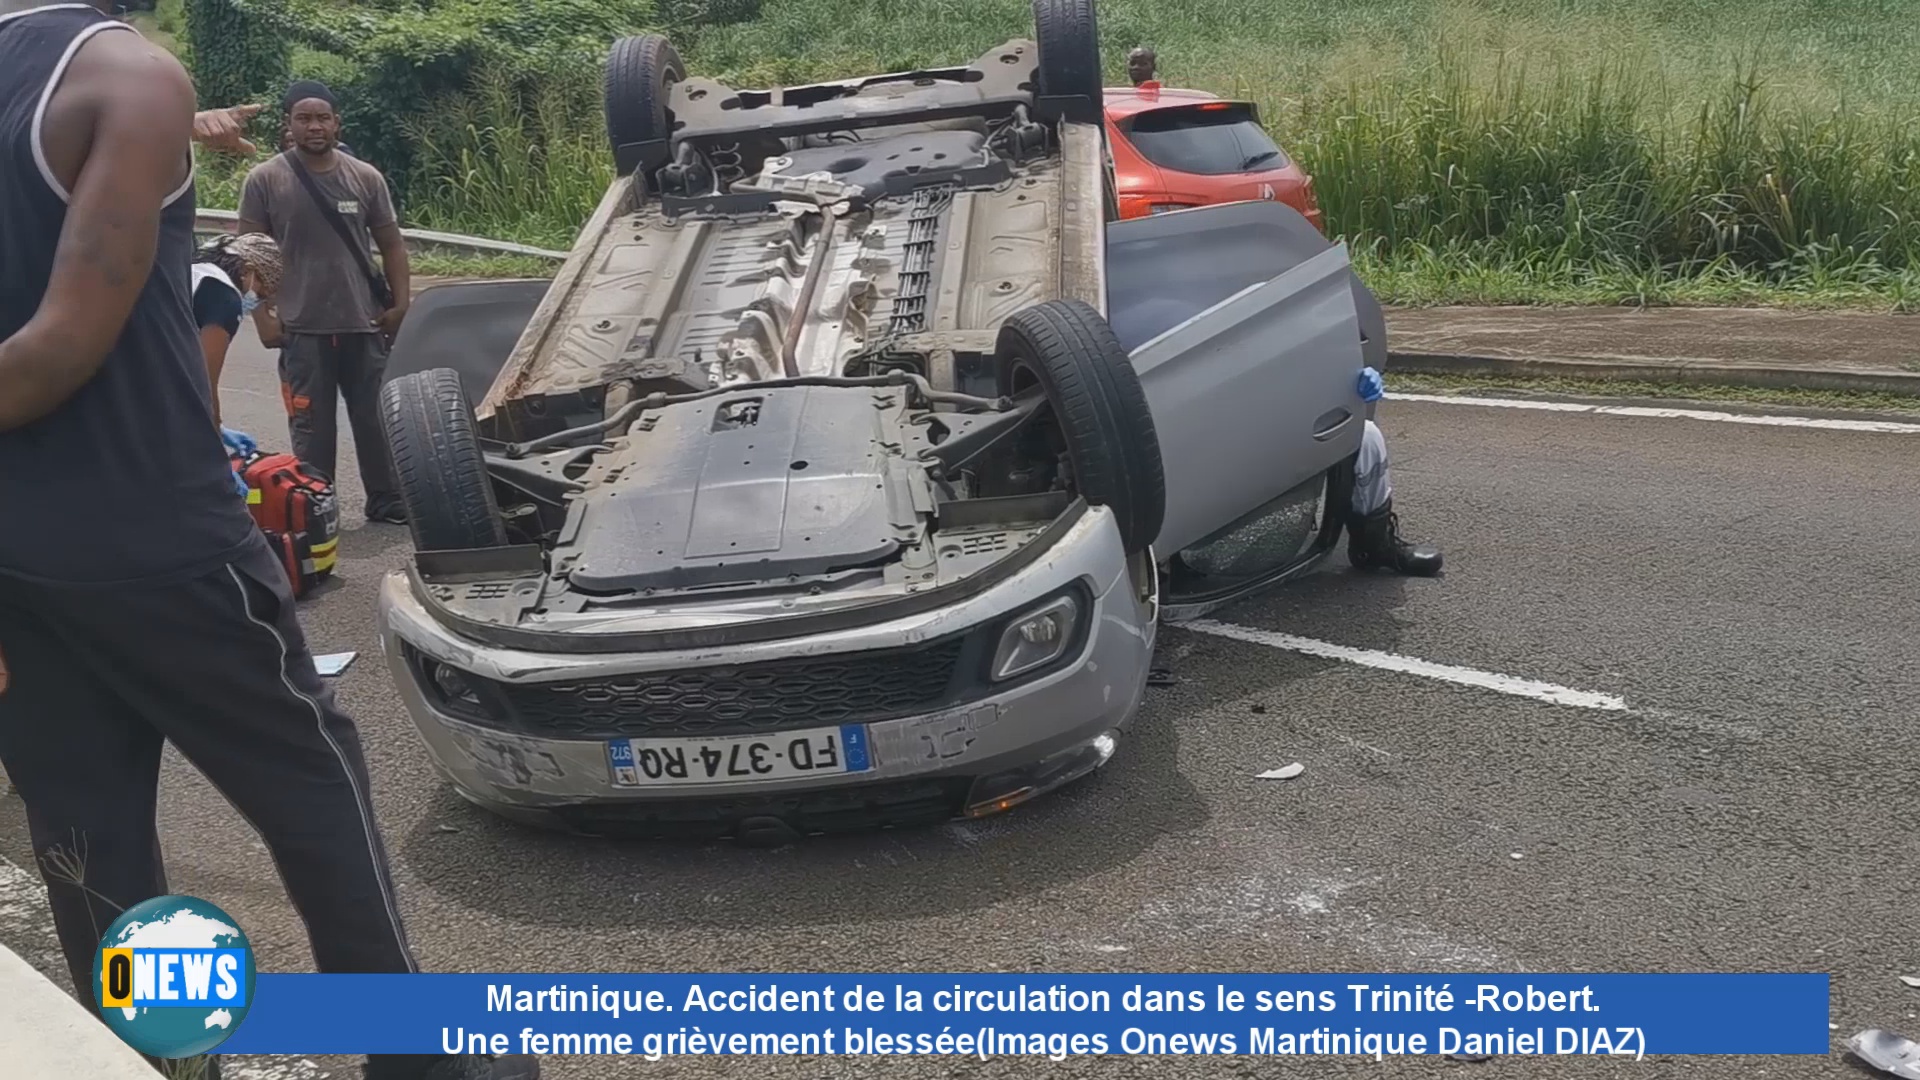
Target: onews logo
[174,976]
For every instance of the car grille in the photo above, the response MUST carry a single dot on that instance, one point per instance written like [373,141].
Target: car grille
[741,700]
[859,808]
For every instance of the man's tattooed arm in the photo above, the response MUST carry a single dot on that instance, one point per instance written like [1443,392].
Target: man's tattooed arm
[117,137]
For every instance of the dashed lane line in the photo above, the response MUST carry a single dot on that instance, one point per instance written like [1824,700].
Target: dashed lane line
[1408,665]
[1550,693]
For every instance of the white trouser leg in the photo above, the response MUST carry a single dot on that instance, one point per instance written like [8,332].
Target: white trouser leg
[1372,480]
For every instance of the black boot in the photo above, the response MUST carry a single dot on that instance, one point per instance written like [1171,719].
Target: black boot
[1374,543]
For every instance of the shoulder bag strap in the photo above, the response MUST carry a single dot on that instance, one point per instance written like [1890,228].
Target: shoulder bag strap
[382,292]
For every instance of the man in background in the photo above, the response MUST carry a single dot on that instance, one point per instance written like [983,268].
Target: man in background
[1140,65]
[287,110]
[287,143]
[139,604]
[326,209]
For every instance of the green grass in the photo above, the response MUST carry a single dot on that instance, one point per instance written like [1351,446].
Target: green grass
[1500,386]
[1419,276]
[438,265]
[495,165]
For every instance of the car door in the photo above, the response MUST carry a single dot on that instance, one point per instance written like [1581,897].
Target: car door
[1246,327]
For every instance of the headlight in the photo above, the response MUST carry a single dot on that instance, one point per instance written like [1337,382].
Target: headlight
[453,685]
[1037,638]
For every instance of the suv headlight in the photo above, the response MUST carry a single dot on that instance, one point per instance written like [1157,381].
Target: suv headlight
[1037,638]
[453,685]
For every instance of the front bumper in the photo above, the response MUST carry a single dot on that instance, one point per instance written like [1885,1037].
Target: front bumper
[982,747]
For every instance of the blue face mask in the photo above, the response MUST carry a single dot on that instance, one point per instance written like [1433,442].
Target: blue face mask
[248,301]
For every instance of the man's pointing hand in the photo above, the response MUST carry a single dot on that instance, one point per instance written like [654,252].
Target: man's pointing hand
[225,130]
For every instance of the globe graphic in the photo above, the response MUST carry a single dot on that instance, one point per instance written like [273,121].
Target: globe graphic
[176,922]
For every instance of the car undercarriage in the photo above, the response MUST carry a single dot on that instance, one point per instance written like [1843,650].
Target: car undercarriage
[845,378]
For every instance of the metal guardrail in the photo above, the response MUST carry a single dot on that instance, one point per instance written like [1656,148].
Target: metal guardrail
[218,221]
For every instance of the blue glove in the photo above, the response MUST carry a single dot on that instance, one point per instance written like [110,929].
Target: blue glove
[239,484]
[239,442]
[1372,386]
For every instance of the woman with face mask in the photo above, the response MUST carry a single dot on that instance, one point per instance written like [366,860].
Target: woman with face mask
[234,277]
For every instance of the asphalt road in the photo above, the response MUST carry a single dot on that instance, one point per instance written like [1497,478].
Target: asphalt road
[1749,591]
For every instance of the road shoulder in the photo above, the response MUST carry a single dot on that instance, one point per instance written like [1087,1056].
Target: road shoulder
[1752,347]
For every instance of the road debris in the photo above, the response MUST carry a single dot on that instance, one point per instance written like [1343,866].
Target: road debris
[1285,772]
[333,663]
[1161,677]
[1472,1059]
[1259,710]
[1887,1052]
[1911,980]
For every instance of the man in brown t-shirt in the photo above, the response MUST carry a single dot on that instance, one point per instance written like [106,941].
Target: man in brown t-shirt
[337,327]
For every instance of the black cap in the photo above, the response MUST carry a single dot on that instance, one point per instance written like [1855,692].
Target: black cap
[307,89]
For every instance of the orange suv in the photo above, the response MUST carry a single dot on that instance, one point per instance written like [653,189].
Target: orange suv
[1173,149]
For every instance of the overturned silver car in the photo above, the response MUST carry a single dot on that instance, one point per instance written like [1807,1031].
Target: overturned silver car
[845,471]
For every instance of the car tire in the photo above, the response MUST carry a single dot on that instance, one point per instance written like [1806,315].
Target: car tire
[1069,39]
[1067,348]
[436,459]
[641,71]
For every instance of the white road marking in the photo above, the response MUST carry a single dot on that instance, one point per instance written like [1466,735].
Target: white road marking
[1877,427]
[1485,680]
[1408,665]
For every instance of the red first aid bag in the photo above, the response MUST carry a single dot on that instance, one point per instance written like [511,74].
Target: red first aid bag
[296,509]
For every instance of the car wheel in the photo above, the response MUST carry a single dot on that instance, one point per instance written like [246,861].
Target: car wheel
[436,458]
[1069,40]
[641,71]
[1066,349]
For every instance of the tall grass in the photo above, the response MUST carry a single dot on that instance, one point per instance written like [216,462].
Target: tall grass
[1568,168]
[530,167]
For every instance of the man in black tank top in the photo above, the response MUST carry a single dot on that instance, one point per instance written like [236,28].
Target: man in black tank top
[138,603]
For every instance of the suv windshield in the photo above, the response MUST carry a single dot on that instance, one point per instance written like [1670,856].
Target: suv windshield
[1207,140]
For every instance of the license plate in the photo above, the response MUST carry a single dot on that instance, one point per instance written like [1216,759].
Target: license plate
[735,758]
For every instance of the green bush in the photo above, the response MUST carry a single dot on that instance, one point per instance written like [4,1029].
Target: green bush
[237,55]
[394,64]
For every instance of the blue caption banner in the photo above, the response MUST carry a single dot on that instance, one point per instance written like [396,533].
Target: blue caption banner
[1049,1015]
[1056,1016]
